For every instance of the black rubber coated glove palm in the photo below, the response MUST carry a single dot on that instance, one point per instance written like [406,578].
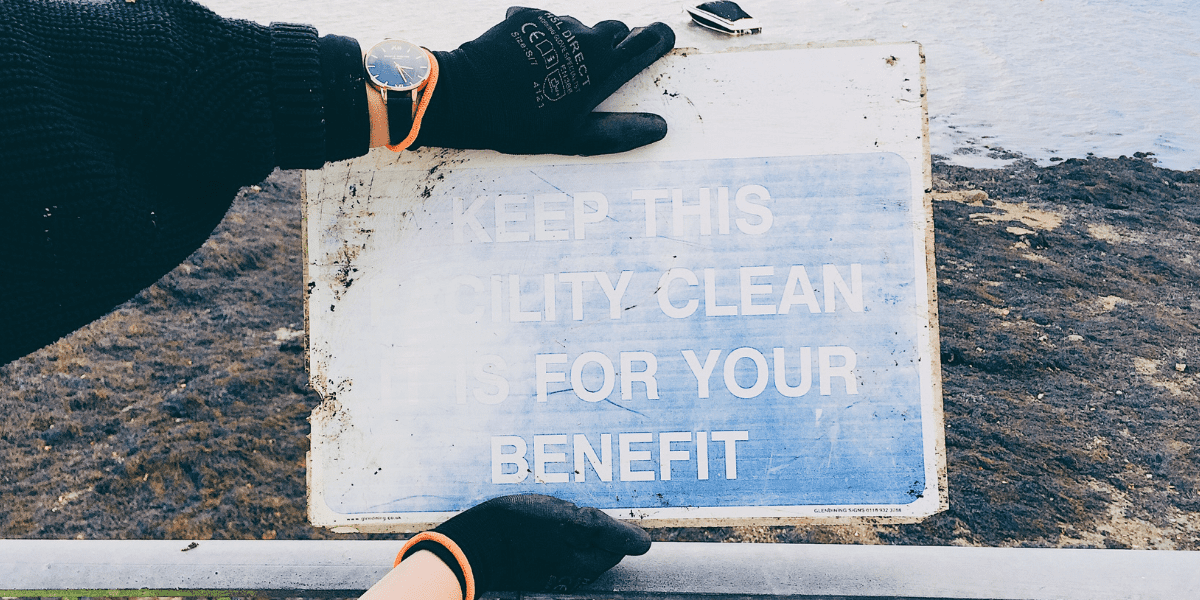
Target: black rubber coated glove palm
[539,543]
[529,84]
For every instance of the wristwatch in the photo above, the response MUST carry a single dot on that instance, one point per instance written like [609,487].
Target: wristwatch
[399,70]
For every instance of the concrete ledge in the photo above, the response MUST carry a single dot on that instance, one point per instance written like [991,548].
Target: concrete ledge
[345,568]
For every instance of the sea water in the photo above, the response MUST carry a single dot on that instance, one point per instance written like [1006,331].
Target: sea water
[1042,78]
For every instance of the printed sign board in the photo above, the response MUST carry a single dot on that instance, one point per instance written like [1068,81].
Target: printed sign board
[734,325]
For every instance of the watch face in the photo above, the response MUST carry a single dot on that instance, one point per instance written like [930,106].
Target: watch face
[397,65]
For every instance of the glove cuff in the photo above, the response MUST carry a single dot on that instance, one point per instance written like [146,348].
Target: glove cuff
[448,551]
[455,118]
[441,124]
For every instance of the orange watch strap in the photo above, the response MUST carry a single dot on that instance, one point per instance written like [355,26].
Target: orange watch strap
[433,536]
[426,94]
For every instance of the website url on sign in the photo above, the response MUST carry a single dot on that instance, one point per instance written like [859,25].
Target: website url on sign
[860,510]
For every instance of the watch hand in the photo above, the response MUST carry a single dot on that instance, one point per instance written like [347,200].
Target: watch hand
[402,71]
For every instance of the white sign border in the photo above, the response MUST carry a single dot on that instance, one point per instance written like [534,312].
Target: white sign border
[650,92]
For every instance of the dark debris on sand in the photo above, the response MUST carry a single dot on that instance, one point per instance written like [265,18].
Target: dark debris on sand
[1070,344]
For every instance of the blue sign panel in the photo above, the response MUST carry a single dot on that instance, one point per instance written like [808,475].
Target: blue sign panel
[707,333]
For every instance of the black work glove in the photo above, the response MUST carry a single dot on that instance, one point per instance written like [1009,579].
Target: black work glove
[537,543]
[529,84]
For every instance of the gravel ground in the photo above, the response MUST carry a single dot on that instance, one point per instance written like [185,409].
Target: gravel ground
[1069,308]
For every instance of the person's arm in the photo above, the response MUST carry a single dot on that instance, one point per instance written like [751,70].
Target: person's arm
[128,127]
[422,576]
[125,132]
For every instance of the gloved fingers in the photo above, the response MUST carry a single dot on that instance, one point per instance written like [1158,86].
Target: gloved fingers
[538,513]
[584,565]
[610,133]
[611,30]
[583,527]
[598,533]
[512,10]
[624,538]
[652,41]
[538,506]
[636,51]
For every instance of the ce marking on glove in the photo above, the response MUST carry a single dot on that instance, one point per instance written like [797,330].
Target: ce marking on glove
[529,54]
[536,44]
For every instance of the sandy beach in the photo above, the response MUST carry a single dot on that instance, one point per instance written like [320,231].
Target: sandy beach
[1069,301]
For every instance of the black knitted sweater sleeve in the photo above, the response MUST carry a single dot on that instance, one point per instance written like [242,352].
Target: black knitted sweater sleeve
[126,129]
